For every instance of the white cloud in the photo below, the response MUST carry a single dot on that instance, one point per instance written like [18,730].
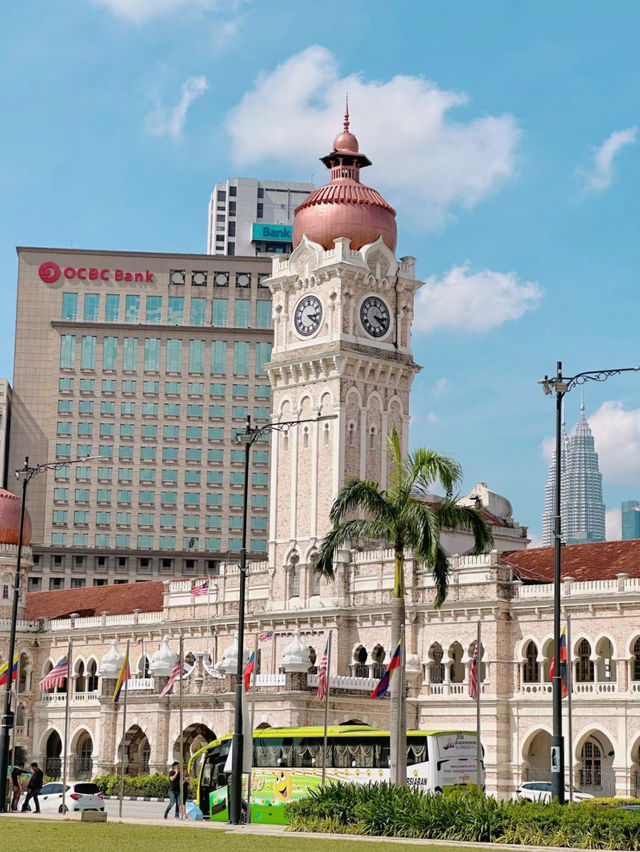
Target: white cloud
[169,121]
[536,540]
[426,161]
[548,449]
[600,175]
[442,385]
[613,524]
[432,418]
[140,11]
[616,433]
[473,301]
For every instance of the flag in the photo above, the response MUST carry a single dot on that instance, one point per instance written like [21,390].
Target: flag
[473,674]
[57,675]
[175,674]
[202,589]
[562,669]
[139,642]
[248,671]
[4,671]
[125,674]
[322,671]
[383,684]
[265,637]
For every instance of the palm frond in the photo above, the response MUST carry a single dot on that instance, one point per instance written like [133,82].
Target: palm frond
[426,467]
[440,572]
[344,534]
[451,515]
[421,530]
[358,494]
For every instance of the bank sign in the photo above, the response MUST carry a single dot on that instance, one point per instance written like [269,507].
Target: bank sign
[272,233]
[50,272]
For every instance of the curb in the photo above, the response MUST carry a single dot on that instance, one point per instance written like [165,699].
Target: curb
[135,798]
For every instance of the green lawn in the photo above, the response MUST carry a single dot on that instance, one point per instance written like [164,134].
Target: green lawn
[78,837]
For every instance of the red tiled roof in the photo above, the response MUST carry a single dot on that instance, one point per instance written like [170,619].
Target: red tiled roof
[601,560]
[94,600]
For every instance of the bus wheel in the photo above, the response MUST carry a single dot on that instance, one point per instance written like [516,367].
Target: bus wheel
[244,816]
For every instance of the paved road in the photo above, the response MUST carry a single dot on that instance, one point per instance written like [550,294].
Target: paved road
[144,810]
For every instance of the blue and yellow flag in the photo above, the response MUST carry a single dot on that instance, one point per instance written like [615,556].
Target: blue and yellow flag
[125,674]
[4,671]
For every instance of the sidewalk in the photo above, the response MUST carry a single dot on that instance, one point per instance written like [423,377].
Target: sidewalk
[280,831]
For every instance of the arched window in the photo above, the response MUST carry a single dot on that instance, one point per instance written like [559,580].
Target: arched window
[531,669]
[591,774]
[360,657]
[143,666]
[352,434]
[436,668]
[636,660]
[456,667]
[314,584]
[312,660]
[584,664]
[80,678]
[92,676]
[305,438]
[20,716]
[5,588]
[294,580]
[378,655]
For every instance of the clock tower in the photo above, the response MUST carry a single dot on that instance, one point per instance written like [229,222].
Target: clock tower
[342,312]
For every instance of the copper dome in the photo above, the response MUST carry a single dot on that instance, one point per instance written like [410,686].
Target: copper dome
[345,207]
[10,520]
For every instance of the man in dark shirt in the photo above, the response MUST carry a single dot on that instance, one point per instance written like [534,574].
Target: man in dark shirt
[16,784]
[33,787]
[174,789]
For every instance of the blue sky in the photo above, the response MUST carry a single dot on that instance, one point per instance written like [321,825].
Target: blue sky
[504,134]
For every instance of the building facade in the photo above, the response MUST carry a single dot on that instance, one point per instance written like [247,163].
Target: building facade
[149,364]
[253,218]
[582,508]
[630,519]
[5,426]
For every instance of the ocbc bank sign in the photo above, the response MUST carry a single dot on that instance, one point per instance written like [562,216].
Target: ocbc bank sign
[50,272]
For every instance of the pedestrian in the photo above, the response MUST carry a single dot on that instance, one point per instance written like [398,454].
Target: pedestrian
[16,784]
[185,796]
[174,789]
[33,787]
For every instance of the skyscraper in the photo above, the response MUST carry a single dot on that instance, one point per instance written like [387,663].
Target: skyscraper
[582,508]
[630,519]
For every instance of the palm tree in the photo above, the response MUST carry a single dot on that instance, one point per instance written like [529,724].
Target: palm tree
[402,518]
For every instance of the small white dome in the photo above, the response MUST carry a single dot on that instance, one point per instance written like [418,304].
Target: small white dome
[111,663]
[163,660]
[229,664]
[296,655]
[412,667]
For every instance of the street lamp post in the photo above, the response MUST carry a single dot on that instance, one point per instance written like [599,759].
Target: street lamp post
[26,474]
[561,385]
[248,438]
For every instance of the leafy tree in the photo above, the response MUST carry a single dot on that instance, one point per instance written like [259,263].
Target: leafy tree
[406,518]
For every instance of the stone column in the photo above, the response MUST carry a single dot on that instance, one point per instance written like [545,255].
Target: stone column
[295,662]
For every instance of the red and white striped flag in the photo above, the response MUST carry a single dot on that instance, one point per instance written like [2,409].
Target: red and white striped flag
[57,675]
[473,674]
[175,674]
[266,636]
[322,671]
[199,591]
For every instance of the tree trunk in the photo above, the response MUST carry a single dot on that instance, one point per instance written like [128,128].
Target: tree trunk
[398,708]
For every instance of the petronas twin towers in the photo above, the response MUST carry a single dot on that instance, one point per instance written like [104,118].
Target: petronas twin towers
[582,509]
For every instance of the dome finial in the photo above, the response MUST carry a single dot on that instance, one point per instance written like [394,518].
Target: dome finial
[346,113]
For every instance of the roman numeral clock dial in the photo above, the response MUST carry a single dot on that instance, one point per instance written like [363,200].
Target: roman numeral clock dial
[307,317]
[375,316]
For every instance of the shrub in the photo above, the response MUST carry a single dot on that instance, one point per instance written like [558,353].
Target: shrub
[156,785]
[383,809]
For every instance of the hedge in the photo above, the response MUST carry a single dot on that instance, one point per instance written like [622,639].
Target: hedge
[135,785]
[386,810]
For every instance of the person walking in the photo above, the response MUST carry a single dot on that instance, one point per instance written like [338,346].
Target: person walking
[16,784]
[33,787]
[174,789]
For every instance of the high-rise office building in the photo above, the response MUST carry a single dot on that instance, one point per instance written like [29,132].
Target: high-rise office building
[253,218]
[5,423]
[582,508]
[630,519]
[151,362]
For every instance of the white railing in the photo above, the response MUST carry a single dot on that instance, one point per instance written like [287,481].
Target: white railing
[536,688]
[268,679]
[356,684]
[140,683]
[543,590]
[128,618]
[375,556]
[150,617]
[482,560]
[21,624]
[595,688]
[76,698]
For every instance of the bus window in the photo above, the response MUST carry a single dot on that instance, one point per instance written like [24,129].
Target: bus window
[353,752]
[307,752]
[417,751]
[274,751]
[383,756]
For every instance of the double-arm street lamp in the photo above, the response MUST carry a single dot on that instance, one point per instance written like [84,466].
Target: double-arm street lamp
[26,474]
[561,385]
[248,438]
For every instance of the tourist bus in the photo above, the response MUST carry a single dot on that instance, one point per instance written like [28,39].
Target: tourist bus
[287,762]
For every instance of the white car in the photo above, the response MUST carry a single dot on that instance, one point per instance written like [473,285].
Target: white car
[540,791]
[81,796]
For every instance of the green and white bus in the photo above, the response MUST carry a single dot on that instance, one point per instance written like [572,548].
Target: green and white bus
[287,762]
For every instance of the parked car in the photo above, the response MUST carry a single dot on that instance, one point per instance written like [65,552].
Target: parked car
[540,791]
[81,796]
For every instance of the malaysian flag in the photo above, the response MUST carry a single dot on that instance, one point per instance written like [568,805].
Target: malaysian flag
[323,684]
[175,674]
[473,674]
[265,637]
[562,668]
[200,590]
[57,675]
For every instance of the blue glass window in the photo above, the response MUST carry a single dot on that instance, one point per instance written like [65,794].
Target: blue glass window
[153,310]
[212,544]
[69,306]
[198,314]
[242,313]
[132,308]
[67,351]
[109,353]
[193,453]
[174,356]
[240,358]
[263,355]
[88,357]
[219,357]
[112,307]
[130,359]
[219,312]
[152,354]
[167,542]
[263,314]
[196,357]
[176,310]
[91,307]
[103,539]
[123,540]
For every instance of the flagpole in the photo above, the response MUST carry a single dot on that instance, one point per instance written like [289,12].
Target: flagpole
[15,727]
[66,730]
[326,712]
[570,704]
[124,726]
[479,777]
[181,791]
[253,722]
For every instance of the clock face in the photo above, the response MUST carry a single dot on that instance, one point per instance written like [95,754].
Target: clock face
[308,315]
[374,316]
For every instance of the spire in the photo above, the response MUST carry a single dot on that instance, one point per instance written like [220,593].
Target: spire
[346,114]
[582,401]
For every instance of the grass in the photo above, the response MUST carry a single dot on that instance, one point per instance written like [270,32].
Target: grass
[87,837]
